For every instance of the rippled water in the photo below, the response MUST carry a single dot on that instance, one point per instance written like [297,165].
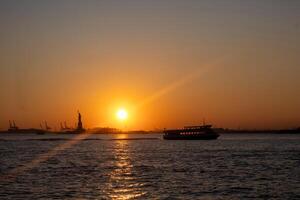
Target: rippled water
[233,167]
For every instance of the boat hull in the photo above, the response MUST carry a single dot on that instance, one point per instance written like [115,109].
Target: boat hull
[76,131]
[192,137]
[22,131]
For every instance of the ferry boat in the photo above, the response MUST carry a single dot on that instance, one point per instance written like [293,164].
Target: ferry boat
[204,132]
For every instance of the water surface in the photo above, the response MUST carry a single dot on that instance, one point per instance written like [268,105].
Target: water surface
[249,166]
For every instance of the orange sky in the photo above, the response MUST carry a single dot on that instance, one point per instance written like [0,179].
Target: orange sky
[169,63]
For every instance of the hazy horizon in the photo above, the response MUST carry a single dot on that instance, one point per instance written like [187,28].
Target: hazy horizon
[168,63]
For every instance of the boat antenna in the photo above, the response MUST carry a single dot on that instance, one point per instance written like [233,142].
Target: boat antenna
[10,125]
[41,126]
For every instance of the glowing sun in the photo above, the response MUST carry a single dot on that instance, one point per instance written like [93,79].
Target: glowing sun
[122,114]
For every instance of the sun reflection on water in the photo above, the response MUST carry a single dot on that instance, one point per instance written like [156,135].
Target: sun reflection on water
[123,182]
[121,136]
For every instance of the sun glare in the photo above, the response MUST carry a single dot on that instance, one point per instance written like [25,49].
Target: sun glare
[122,114]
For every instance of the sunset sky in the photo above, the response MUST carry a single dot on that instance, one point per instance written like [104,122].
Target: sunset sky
[168,63]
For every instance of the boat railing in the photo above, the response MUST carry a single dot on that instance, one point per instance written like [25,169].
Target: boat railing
[198,127]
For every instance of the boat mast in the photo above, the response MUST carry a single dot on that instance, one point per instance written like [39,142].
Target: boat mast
[61,126]
[14,125]
[46,126]
[66,127]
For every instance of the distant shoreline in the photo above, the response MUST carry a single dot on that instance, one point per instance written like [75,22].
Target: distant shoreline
[247,131]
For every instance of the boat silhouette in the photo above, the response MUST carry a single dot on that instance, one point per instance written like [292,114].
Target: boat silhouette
[203,132]
[13,128]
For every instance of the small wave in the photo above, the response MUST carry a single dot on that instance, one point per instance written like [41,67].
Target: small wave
[134,139]
[47,139]
[61,139]
[68,139]
[89,139]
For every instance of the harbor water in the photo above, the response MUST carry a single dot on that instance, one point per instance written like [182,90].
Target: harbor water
[144,166]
